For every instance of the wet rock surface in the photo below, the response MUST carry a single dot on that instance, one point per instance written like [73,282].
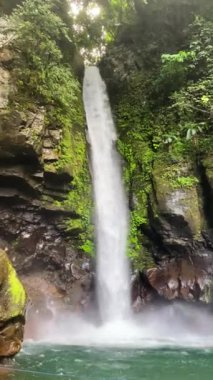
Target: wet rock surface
[32,222]
[181,279]
[11,338]
[13,301]
[176,214]
[179,236]
[38,244]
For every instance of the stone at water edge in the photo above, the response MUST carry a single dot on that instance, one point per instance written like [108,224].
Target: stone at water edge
[13,301]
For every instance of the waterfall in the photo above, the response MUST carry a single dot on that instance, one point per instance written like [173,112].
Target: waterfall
[111,210]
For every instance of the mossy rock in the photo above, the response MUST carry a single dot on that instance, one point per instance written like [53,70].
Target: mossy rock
[13,301]
[208,166]
[22,133]
[13,297]
[176,193]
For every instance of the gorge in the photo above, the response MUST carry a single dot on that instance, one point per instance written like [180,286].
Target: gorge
[109,227]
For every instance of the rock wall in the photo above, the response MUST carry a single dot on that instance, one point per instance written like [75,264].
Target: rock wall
[33,222]
[179,234]
[167,154]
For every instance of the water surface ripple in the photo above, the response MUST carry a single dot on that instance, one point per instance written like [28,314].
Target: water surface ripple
[83,363]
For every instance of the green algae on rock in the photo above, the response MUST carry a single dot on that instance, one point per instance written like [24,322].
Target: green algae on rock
[176,194]
[12,295]
[13,301]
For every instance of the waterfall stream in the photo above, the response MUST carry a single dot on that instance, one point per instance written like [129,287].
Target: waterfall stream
[111,210]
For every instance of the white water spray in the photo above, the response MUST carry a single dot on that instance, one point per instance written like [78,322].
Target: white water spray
[113,282]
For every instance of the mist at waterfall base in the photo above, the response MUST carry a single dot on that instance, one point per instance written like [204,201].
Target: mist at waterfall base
[178,324]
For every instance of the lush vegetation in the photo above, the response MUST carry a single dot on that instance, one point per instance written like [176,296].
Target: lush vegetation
[44,71]
[157,58]
[159,72]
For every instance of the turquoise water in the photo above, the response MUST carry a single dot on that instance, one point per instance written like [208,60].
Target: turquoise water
[41,362]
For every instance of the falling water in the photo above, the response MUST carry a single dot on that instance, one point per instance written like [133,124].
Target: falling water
[110,202]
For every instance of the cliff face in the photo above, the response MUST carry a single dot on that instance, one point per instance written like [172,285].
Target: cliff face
[179,234]
[34,217]
[158,81]
[45,210]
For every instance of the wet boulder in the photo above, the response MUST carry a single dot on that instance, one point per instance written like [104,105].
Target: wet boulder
[177,279]
[12,308]
[176,216]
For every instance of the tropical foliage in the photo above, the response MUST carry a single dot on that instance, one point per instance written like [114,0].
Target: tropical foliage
[159,72]
[44,65]
[157,59]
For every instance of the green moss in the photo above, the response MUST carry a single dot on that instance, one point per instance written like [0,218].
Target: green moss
[175,180]
[12,294]
[73,159]
[168,179]
[172,176]
[142,260]
[136,150]
[16,292]
[186,182]
[192,212]
[208,165]
[72,151]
